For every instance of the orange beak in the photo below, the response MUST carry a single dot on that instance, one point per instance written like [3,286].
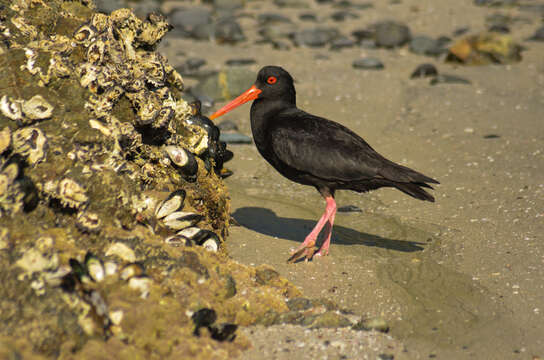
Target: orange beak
[250,94]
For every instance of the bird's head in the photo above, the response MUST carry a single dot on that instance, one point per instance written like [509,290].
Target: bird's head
[273,83]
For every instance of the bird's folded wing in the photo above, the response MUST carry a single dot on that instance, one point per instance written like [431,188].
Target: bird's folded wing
[324,149]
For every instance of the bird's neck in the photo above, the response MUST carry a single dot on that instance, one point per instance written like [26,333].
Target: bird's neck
[263,112]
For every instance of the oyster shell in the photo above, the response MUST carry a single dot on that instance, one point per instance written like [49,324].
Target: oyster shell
[31,143]
[11,108]
[37,108]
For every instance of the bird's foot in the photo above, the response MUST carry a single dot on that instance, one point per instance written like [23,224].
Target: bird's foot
[305,251]
[322,252]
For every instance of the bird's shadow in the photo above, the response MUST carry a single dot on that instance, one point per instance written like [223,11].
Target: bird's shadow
[266,222]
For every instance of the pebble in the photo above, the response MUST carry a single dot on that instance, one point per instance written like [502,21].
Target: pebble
[425,45]
[272,18]
[386,357]
[449,79]
[299,304]
[308,17]
[228,5]
[291,3]
[363,34]
[424,70]
[228,31]
[391,34]
[377,323]
[185,21]
[368,63]
[240,62]
[235,138]
[227,125]
[343,15]
[315,37]
[341,43]
[277,31]
[349,208]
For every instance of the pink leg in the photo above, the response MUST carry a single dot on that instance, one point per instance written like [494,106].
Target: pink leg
[324,249]
[307,247]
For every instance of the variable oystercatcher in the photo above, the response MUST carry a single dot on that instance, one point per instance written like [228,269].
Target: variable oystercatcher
[312,150]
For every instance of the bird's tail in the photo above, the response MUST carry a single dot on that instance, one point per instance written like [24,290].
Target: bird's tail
[415,189]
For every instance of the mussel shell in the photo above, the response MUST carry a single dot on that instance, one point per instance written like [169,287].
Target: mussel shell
[181,220]
[224,332]
[132,270]
[211,244]
[172,203]
[95,267]
[178,240]
[190,232]
[203,317]
[182,159]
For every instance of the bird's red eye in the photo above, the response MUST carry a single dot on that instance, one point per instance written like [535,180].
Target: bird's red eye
[271,80]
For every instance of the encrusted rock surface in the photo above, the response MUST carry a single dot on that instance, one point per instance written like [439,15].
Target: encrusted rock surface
[87,109]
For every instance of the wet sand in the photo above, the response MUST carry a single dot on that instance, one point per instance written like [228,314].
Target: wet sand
[460,278]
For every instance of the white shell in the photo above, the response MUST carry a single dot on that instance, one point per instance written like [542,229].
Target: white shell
[177,154]
[181,220]
[37,108]
[11,108]
[211,245]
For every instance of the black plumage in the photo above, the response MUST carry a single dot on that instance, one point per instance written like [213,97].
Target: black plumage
[312,150]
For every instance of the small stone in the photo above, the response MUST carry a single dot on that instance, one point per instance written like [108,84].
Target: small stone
[299,304]
[349,208]
[307,17]
[271,18]
[291,317]
[330,319]
[195,63]
[235,138]
[227,125]
[343,15]
[186,21]
[424,70]
[386,357]
[315,37]
[363,34]
[378,324]
[368,64]
[391,34]
[240,62]
[228,31]
[424,45]
[291,3]
[341,43]
[449,79]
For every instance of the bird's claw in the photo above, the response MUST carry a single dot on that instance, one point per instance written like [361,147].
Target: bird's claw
[306,253]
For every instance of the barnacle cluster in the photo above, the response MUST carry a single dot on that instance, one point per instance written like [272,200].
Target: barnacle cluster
[112,209]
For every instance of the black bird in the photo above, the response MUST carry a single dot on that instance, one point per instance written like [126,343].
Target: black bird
[312,150]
